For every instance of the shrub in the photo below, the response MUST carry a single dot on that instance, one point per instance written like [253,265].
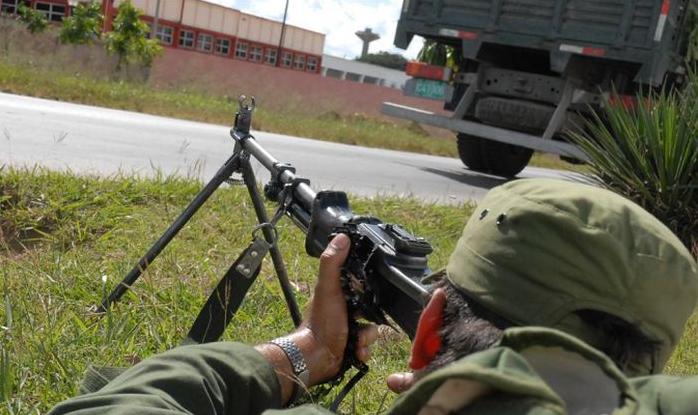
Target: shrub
[128,40]
[648,152]
[34,20]
[84,25]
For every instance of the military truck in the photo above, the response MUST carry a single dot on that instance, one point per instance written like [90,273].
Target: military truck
[529,70]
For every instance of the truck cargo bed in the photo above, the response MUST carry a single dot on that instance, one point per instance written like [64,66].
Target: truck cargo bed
[644,32]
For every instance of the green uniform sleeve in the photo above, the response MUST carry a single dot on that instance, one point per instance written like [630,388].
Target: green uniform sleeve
[215,378]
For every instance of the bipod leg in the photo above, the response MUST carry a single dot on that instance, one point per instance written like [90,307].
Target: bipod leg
[279,266]
[230,166]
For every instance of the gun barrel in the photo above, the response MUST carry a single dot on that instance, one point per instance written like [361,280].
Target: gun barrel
[304,194]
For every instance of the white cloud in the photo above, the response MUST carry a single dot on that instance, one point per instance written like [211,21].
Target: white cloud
[338,20]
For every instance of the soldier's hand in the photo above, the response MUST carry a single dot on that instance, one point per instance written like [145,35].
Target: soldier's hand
[327,317]
[324,333]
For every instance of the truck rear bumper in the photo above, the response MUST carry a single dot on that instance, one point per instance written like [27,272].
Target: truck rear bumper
[485,131]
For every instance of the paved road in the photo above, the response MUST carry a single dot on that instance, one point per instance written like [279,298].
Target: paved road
[96,140]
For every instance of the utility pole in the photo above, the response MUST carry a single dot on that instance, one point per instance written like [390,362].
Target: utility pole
[155,20]
[281,38]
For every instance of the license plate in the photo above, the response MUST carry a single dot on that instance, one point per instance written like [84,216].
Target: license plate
[427,88]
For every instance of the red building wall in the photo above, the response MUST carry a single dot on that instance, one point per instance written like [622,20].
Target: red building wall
[277,89]
[178,28]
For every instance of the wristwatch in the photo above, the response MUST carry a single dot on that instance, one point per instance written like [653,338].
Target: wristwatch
[300,366]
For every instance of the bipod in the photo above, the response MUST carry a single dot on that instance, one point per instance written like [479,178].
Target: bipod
[231,290]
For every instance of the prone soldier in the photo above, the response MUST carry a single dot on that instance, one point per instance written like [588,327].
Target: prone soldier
[559,298]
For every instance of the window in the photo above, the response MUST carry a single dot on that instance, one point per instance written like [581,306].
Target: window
[299,62]
[312,65]
[241,50]
[256,54]
[53,12]
[164,34]
[186,39]
[204,42]
[9,6]
[287,59]
[222,46]
[270,57]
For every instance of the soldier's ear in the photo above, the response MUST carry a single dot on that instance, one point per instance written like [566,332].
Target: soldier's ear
[427,340]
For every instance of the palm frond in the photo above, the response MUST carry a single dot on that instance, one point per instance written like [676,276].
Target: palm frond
[649,154]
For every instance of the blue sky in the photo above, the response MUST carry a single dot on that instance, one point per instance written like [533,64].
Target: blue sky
[337,19]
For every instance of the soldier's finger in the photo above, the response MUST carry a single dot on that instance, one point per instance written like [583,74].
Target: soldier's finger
[368,334]
[332,259]
[400,382]
[363,354]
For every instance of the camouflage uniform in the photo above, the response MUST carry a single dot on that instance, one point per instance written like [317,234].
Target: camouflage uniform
[535,252]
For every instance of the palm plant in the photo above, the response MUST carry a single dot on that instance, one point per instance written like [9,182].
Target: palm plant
[648,152]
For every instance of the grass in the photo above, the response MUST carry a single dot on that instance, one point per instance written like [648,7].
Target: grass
[62,234]
[355,129]
[66,240]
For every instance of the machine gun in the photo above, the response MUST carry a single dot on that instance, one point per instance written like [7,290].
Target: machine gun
[381,277]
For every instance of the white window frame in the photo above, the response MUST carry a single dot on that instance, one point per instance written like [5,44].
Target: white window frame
[6,5]
[299,62]
[164,33]
[220,46]
[270,56]
[311,64]
[287,59]
[204,42]
[241,49]
[186,42]
[51,13]
[256,53]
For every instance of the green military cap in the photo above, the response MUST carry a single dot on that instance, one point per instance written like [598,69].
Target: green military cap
[536,251]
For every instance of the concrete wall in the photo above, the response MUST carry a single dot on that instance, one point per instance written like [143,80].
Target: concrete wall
[277,89]
[346,69]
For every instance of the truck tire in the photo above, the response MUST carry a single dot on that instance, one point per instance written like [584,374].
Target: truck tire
[470,152]
[503,159]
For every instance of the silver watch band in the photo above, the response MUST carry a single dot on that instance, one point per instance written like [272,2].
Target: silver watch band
[300,366]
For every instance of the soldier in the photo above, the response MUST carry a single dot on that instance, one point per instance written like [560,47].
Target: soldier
[559,298]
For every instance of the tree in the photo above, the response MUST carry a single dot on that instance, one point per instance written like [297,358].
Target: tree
[128,40]
[84,25]
[385,59]
[34,20]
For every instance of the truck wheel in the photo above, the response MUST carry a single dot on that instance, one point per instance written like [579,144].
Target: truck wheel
[470,151]
[503,159]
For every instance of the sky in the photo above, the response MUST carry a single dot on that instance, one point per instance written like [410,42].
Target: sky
[338,20]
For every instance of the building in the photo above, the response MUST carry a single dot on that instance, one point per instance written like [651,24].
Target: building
[54,10]
[204,27]
[352,70]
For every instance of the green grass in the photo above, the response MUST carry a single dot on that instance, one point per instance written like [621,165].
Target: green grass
[356,129]
[62,233]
